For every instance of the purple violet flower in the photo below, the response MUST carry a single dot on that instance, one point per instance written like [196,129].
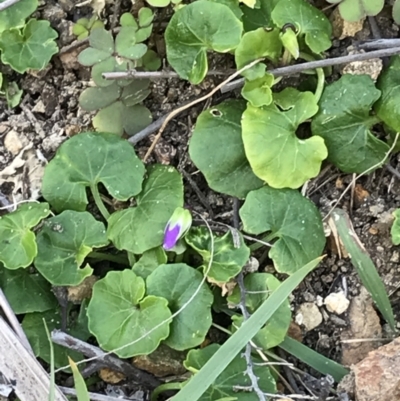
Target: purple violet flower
[177,227]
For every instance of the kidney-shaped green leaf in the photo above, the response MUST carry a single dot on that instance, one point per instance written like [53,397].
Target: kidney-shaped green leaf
[259,287]
[17,241]
[309,21]
[196,28]
[228,257]
[259,17]
[344,121]
[216,148]
[138,229]
[14,16]
[86,160]
[177,283]
[292,219]
[63,243]
[149,262]
[388,106]
[355,10]
[119,315]
[275,153]
[29,49]
[233,376]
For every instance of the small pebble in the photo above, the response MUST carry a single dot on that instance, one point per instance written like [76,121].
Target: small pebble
[336,302]
[309,316]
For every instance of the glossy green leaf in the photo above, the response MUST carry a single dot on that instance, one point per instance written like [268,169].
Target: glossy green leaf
[119,314]
[285,160]
[259,286]
[232,376]
[257,44]
[355,10]
[309,21]
[254,18]
[227,259]
[396,12]
[395,230]
[196,28]
[86,160]
[216,148]
[258,92]
[63,243]
[29,49]
[17,240]
[149,262]
[177,283]
[344,121]
[37,295]
[364,265]
[388,106]
[14,16]
[291,219]
[218,362]
[138,229]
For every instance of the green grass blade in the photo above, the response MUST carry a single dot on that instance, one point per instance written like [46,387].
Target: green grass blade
[80,385]
[364,265]
[317,361]
[221,359]
[52,390]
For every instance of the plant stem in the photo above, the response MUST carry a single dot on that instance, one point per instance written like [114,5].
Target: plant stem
[7,3]
[164,387]
[320,76]
[220,328]
[120,259]
[99,202]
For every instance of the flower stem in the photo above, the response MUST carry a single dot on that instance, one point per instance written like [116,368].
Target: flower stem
[99,203]
[320,76]
[164,387]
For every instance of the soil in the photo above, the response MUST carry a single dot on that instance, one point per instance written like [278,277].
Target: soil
[49,114]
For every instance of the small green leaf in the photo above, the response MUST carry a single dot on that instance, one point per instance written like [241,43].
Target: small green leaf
[158,3]
[257,44]
[149,261]
[95,98]
[138,229]
[79,382]
[37,295]
[293,220]
[227,259]
[13,94]
[86,160]
[232,376]
[14,16]
[396,12]
[388,106]
[17,240]
[126,46]
[63,243]
[285,160]
[289,41]
[216,148]
[146,16]
[355,10]
[196,28]
[118,315]
[258,92]
[344,121]
[309,21]
[101,39]
[259,287]
[30,49]
[254,18]
[177,283]
[233,5]
[90,56]
[151,61]
[127,19]
[395,230]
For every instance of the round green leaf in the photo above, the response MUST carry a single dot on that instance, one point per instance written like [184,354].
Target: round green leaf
[233,376]
[254,18]
[151,61]
[395,230]
[234,6]
[127,19]
[258,92]
[14,16]
[309,21]
[63,243]
[177,283]
[101,39]
[228,258]
[396,12]
[158,3]
[388,106]
[272,148]
[125,44]
[37,295]
[146,16]
[86,160]
[135,92]
[344,121]
[293,220]
[259,287]
[17,241]
[355,10]
[196,28]
[90,56]
[138,229]
[216,148]
[119,315]
[149,262]
[99,97]
[30,49]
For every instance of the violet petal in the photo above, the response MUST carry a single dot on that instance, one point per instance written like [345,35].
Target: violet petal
[171,236]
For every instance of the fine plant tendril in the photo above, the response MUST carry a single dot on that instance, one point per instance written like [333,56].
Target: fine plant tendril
[165,321]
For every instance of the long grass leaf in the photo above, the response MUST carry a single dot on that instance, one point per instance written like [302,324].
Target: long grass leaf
[221,359]
[80,385]
[52,394]
[364,265]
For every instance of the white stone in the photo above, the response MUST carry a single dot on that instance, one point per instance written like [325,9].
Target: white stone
[336,302]
[309,316]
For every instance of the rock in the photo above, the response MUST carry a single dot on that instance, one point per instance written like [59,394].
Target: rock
[13,142]
[377,377]
[110,376]
[343,29]
[309,316]
[79,292]
[336,302]
[371,67]
[364,323]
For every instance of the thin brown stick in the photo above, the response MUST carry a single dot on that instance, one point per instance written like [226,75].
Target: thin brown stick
[194,102]
[7,3]
[310,65]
